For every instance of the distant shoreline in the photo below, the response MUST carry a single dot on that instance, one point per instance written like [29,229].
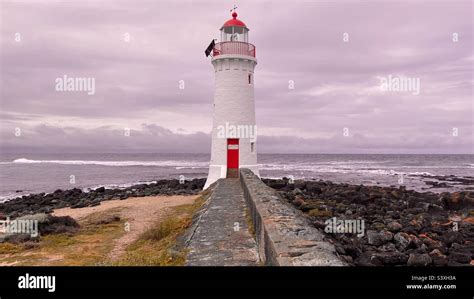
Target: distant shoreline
[89,196]
[28,174]
[76,198]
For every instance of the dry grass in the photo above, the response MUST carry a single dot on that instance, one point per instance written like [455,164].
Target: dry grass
[163,230]
[9,248]
[97,236]
[89,246]
[249,220]
[158,245]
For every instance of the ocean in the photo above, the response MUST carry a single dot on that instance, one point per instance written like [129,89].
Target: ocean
[22,174]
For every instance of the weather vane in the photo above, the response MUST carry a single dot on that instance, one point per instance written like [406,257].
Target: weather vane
[233,9]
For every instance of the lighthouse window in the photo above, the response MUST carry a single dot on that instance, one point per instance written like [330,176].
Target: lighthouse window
[250,79]
[252,146]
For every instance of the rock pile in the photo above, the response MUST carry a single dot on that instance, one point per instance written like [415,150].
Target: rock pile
[402,227]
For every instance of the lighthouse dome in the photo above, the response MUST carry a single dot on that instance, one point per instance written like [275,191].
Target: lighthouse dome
[234,30]
[234,22]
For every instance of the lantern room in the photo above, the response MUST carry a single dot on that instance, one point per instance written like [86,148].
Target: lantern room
[234,39]
[234,30]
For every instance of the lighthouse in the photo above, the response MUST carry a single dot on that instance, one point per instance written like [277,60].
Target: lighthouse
[234,130]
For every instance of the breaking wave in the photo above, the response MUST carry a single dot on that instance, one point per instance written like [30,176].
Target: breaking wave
[340,168]
[168,163]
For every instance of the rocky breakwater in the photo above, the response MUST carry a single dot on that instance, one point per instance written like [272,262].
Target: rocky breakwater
[400,227]
[76,198]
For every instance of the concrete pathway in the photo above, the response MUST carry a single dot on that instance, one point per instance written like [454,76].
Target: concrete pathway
[221,236]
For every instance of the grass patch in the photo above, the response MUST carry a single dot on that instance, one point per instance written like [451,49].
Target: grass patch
[58,241]
[163,230]
[158,245]
[9,248]
[88,247]
[155,246]
[249,221]
[95,239]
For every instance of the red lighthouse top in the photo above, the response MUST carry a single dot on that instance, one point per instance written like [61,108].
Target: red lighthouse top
[234,22]
[234,39]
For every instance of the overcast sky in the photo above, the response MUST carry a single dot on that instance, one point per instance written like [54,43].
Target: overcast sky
[336,82]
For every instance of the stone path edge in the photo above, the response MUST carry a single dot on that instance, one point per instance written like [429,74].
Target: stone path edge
[284,237]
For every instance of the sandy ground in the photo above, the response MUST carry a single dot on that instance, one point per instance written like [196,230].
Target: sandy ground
[140,212]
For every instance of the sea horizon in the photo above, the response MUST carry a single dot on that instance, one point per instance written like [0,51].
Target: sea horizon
[29,173]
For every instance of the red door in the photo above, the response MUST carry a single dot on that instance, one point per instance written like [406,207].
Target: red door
[232,158]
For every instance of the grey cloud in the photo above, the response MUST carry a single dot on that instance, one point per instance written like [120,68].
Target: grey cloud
[155,138]
[137,82]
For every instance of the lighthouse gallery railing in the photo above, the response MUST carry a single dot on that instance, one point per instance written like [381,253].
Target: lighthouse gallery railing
[239,48]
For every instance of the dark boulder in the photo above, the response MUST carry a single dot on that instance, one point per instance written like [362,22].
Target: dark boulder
[313,187]
[463,257]
[451,237]
[419,260]
[378,238]
[391,258]
[394,226]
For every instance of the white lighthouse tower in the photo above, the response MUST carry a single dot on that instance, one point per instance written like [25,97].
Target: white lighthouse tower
[234,132]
